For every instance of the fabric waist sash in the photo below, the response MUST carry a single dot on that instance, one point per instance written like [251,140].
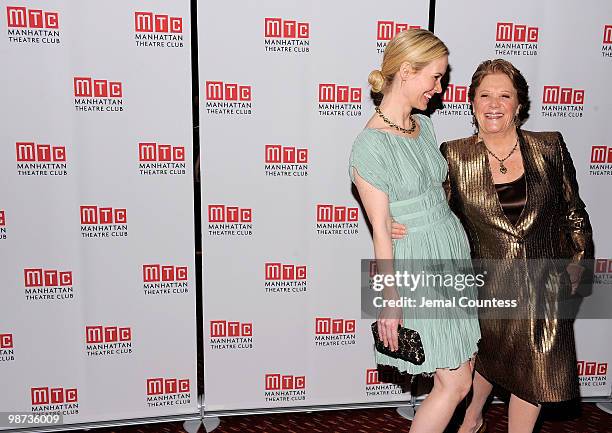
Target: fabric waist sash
[422,211]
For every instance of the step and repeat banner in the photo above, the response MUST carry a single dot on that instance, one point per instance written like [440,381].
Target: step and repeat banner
[97,319]
[96,196]
[282,97]
[565,53]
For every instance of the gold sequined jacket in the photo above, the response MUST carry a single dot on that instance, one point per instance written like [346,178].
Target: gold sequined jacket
[529,351]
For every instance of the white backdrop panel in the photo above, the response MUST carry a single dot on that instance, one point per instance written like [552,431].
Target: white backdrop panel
[336,43]
[563,49]
[43,225]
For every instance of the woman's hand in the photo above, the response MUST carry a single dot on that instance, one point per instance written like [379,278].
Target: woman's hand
[575,272]
[388,321]
[398,231]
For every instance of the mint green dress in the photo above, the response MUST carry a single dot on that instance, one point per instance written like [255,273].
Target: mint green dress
[411,171]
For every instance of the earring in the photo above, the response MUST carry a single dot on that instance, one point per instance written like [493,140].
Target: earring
[516,116]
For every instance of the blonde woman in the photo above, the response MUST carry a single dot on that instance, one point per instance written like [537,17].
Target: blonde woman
[399,171]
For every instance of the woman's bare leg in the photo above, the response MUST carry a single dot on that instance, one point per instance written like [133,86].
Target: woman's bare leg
[450,387]
[522,415]
[473,415]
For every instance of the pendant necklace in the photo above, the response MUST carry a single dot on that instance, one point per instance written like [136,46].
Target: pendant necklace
[502,167]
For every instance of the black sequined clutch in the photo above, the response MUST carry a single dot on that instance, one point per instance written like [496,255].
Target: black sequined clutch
[410,346]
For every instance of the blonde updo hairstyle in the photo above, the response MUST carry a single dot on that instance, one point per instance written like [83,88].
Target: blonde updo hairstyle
[418,47]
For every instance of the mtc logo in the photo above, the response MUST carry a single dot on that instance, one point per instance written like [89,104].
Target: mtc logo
[47,278]
[223,328]
[46,395]
[277,154]
[373,267]
[107,334]
[103,215]
[586,368]
[336,93]
[150,22]
[2,218]
[89,87]
[6,341]
[386,30]
[33,18]
[220,91]
[326,325]
[510,32]
[607,38]
[159,385]
[562,95]
[275,382]
[278,271]
[328,213]
[603,266]
[155,273]
[218,213]
[32,152]
[372,377]
[455,93]
[289,29]
[148,152]
[601,154]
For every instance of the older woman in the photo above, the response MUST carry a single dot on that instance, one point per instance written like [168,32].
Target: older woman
[516,194]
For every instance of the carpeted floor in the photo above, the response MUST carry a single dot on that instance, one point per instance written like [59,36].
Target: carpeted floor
[584,418]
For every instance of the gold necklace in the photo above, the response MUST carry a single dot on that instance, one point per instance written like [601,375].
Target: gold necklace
[397,127]
[502,167]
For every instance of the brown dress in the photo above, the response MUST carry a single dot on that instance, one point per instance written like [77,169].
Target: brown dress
[531,354]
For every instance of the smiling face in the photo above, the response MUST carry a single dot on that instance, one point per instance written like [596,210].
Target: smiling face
[495,104]
[424,83]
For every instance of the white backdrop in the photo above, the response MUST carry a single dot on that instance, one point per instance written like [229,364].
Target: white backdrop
[562,54]
[85,209]
[96,213]
[275,139]
[307,93]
